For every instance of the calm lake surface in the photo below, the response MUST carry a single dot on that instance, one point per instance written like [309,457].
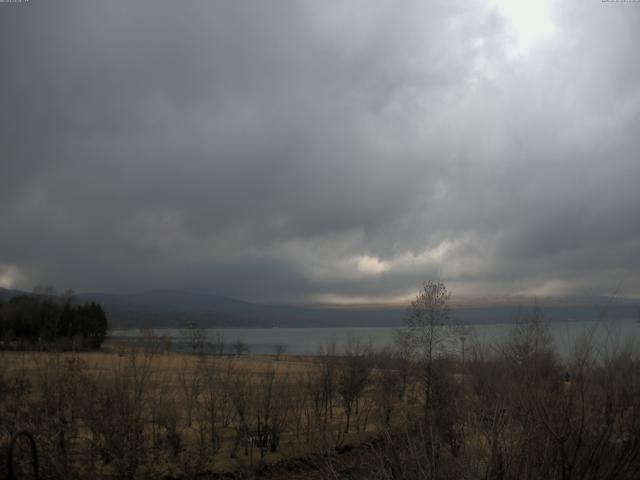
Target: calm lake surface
[305,341]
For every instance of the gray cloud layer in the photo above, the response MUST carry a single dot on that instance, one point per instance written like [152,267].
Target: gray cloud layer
[303,150]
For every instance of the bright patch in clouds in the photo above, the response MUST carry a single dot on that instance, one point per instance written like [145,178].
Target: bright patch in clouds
[371,265]
[529,21]
[431,256]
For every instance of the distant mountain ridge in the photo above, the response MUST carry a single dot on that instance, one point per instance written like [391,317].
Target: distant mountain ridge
[6,294]
[170,308]
[174,309]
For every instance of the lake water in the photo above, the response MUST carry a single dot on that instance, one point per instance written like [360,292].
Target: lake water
[305,341]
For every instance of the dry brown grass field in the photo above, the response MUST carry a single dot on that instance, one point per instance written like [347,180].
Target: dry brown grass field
[512,411]
[141,412]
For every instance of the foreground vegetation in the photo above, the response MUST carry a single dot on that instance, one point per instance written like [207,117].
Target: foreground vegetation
[436,406]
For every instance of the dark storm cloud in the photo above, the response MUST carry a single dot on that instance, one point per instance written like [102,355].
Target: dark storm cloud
[311,150]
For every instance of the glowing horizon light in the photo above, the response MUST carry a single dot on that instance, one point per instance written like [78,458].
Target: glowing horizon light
[8,276]
[529,21]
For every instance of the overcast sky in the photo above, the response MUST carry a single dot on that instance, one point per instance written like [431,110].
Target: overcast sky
[336,151]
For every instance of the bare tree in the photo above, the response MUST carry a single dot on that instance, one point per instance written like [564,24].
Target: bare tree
[279,350]
[326,379]
[430,330]
[240,347]
[217,343]
[213,402]
[196,337]
[241,401]
[353,377]
[190,381]
[389,384]
[530,346]
[116,412]
[404,354]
